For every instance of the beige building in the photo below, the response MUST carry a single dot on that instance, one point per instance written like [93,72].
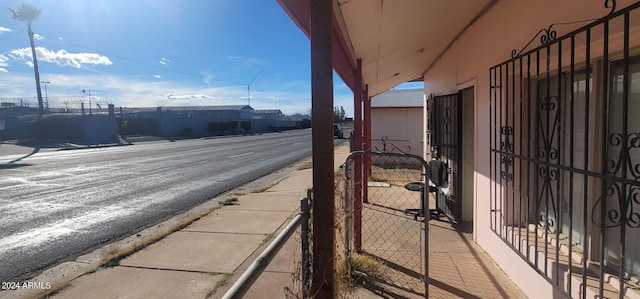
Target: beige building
[397,117]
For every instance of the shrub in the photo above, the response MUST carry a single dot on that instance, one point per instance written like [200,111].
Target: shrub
[215,128]
[305,123]
[221,127]
[229,125]
[187,132]
[245,125]
[53,126]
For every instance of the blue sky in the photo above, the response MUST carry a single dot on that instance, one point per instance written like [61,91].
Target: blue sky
[148,53]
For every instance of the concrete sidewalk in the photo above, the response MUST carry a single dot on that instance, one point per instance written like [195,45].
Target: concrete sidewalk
[203,258]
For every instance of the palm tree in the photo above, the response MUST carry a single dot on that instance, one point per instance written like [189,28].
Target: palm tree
[28,13]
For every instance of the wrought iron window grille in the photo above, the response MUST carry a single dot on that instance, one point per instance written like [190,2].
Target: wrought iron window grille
[549,34]
[565,155]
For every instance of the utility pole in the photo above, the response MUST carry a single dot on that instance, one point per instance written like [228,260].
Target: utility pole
[249,87]
[46,94]
[83,91]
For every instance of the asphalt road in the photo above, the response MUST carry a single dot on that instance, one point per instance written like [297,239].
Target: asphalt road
[58,204]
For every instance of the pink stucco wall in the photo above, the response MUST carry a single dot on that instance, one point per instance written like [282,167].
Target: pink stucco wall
[507,25]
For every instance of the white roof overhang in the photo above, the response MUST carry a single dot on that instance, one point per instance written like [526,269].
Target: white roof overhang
[397,40]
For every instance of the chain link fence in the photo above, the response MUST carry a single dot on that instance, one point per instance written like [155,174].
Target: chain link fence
[384,230]
[300,286]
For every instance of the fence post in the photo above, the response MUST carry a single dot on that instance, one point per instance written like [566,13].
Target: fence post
[348,208]
[427,216]
[304,235]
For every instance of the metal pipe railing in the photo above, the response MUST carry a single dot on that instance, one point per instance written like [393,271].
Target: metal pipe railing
[244,283]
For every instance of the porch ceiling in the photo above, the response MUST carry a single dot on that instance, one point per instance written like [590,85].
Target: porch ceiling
[396,40]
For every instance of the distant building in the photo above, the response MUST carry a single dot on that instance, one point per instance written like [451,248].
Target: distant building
[397,121]
[268,114]
[185,120]
[223,112]
[200,120]
[169,121]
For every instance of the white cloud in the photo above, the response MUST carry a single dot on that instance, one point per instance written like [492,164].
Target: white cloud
[164,60]
[61,57]
[4,29]
[157,76]
[4,62]
[38,36]
[171,96]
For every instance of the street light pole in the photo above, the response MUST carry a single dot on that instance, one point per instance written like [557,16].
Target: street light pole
[249,87]
[46,94]
[88,88]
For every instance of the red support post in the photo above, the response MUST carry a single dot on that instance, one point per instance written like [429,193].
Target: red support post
[357,168]
[322,284]
[366,172]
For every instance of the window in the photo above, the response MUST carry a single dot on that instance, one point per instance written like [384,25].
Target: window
[622,207]
[565,156]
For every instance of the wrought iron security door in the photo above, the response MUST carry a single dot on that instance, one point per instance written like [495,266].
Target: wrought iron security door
[445,135]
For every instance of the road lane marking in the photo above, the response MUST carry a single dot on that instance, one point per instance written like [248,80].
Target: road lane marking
[241,155]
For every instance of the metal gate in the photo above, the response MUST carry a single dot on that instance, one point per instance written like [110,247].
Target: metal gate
[444,129]
[383,209]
